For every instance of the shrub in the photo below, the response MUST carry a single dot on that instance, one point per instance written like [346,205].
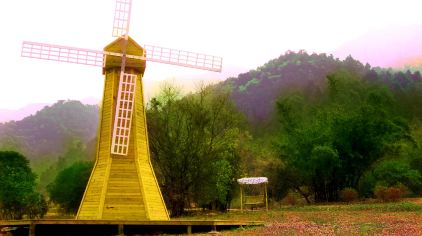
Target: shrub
[405,191]
[388,194]
[290,199]
[348,195]
[393,194]
[380,193]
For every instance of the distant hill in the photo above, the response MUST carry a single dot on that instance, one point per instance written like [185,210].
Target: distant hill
[30,109]
[51,131]
[256,91]
[19,114]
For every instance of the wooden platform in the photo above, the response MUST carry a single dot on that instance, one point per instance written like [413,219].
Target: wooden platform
[116,227]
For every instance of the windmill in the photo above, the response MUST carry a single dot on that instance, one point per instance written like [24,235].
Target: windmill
[122,184]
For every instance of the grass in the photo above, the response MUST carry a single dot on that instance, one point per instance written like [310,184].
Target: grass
[380,207]
[399,218]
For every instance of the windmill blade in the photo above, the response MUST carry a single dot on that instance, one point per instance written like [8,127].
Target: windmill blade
[183,58]
[122,18]
[123,115]
[96,58]
[62,53]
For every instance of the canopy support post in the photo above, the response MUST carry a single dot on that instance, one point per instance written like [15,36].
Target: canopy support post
[241,198]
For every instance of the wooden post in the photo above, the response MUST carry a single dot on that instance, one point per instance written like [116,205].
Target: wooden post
[266,197]
[241,198]
[214,228]
[121,230]
[189,229]
[31,229]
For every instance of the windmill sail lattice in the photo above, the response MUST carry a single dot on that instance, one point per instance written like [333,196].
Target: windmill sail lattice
[96,58]
[123,118]
[121,18]
[122,184]
[62,53]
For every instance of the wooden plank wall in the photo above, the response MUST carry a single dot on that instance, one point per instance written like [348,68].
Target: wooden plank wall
[122,187]
[154,201]
[90,205]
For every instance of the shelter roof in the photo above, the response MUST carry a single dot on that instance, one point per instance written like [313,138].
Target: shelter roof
[253,180]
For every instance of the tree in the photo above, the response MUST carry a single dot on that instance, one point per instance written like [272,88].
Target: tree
[76,152]
[333,140]
[193,142]
[397,172]
[17,184]
[68,188]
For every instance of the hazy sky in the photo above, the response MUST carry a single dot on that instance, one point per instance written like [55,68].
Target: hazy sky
[246,33]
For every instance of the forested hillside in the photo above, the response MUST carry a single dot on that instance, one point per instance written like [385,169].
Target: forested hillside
[256,91]
[51,131]
[54,138]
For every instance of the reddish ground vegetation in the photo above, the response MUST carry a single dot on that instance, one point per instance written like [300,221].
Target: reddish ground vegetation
[354,219]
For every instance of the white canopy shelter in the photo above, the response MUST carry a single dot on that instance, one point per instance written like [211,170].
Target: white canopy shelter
[253,180]
[253,192]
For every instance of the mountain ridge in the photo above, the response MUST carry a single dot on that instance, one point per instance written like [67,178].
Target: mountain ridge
[51,131]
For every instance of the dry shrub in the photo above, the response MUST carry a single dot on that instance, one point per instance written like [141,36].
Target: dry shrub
[404,190]
[348,195]
[290,199]
[388,194]
[380,193]
[394,194]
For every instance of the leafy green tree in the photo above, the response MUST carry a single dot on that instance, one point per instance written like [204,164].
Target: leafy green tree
[17,184]
[333,140]
[193,142]
[68,188]
[395,172]
[76,152]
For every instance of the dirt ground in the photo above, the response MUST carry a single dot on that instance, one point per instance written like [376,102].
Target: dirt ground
[403,218]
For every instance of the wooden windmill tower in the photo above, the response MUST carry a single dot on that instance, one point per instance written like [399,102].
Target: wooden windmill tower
[122,184]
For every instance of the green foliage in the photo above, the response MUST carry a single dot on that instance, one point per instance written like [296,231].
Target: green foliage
[253,81]
[68,188]
[395,172]
[17,183]
[77,152]
[415,162]
[391,173]
[330,142]
[216,191]
[49,132]
[193,142]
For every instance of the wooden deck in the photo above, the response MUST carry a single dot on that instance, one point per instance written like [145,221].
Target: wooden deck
[116,227]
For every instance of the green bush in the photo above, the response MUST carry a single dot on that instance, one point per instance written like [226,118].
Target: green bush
[68,188]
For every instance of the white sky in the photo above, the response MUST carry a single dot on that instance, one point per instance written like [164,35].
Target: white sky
[246,33]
